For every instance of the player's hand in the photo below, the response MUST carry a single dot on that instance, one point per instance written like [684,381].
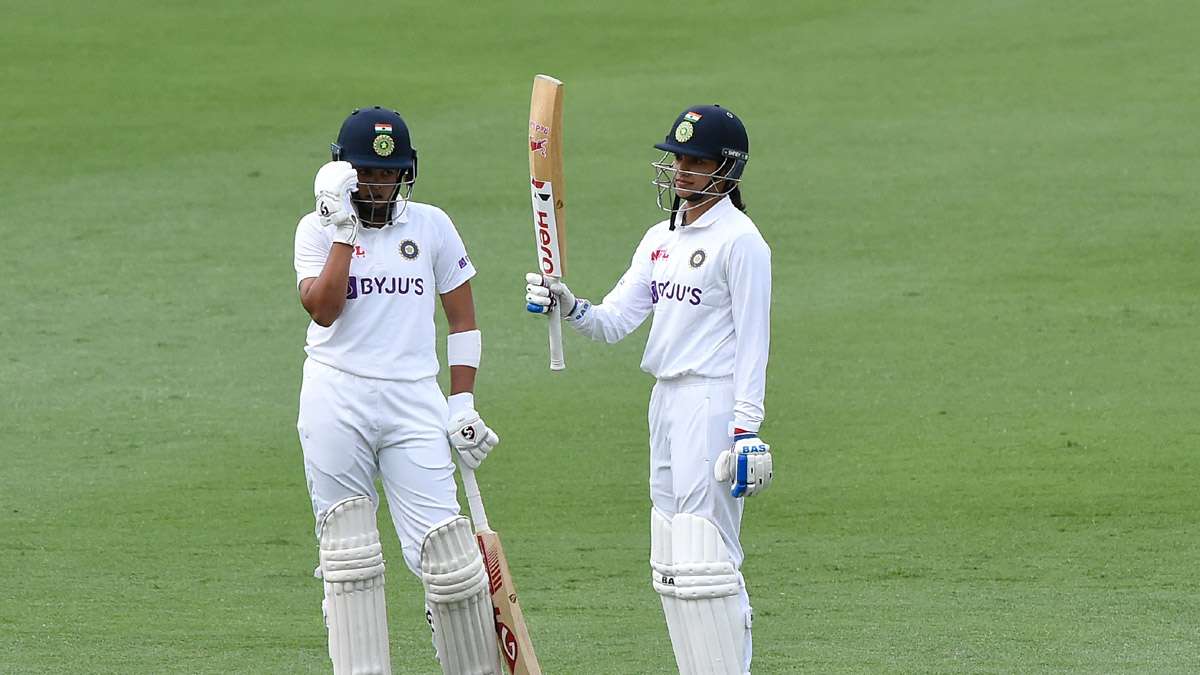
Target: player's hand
[468,434]
[746,466]
[540,297]
[332,187]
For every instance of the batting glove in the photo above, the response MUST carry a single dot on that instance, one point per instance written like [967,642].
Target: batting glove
[747,466]
[468,434]
[540,297]
[332,187]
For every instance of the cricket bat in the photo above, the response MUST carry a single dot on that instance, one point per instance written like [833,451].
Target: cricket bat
[511,632]
[549,194]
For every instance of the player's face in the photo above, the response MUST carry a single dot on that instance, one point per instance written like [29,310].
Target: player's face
[377,184]
[689,178]
[376,191]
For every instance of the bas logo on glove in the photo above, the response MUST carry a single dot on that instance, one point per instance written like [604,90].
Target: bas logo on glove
[747,466]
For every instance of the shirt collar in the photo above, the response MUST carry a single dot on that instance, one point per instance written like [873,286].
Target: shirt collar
[403,217]
[712,215]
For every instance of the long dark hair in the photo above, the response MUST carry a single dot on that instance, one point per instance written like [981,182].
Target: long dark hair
[735,195]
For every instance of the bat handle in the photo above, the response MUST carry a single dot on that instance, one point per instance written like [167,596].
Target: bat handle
[557,361]
[474,499]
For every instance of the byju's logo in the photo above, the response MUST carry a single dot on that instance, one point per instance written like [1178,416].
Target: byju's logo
[357,286]
[665,290]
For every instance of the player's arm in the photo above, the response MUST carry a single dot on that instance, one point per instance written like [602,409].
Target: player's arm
[324,296]
[749,278]
[452,269]
[747,466]
[464,346]
[620,313]
[459,307]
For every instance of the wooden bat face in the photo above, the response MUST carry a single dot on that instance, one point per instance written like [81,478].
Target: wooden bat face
[511,632]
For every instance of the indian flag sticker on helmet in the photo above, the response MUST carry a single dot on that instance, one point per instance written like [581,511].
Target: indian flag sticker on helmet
[383,145]
[692,116]
[684,131]
[383,128]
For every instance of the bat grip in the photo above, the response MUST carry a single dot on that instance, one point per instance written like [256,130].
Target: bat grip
[474,499]
[557,361]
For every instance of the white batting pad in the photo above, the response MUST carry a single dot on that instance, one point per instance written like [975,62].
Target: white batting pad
[699,588]
[352,567]
[460,605]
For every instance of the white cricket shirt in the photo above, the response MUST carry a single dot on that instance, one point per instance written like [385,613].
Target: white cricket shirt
[386,328]
[709,287]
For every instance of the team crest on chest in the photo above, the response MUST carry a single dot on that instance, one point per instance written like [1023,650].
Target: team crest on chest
[698,258]
[409,249]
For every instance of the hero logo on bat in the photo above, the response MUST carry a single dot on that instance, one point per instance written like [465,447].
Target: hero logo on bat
[545,227]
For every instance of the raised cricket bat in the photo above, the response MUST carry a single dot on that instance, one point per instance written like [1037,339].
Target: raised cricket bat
[511,633]
[549,194]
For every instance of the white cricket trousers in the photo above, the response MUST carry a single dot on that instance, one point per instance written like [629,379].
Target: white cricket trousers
[689,427]
[354,429]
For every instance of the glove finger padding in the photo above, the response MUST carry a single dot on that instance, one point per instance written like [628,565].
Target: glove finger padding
[539,296]
[754,474]
[335,178]
[747,466]
[471,437]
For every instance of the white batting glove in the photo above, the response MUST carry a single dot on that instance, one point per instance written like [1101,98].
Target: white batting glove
[332,187]
[746,467]
[468,434]
[540,297]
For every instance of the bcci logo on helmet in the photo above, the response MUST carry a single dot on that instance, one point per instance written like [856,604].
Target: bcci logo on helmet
[383,145]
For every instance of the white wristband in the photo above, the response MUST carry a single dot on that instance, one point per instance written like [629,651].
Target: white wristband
[465,348]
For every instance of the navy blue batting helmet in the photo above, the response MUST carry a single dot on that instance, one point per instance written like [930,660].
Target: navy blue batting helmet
[375,138]
[709,132]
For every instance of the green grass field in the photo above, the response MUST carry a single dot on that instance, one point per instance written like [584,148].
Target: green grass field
[984,223]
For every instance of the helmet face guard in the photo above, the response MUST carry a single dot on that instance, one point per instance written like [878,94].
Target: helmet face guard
[378,138]
[718,185]
[380,204]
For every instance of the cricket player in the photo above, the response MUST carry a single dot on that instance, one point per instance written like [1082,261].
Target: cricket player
[369,264]
[705,275]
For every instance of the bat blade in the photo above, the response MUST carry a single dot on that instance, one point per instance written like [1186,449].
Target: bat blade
[549,193]
[512,636]
[511,633]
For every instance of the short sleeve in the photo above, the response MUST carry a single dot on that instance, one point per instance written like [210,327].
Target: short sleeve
[451,266]
[312,248]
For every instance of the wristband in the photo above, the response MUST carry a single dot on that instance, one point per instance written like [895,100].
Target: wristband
[465,348]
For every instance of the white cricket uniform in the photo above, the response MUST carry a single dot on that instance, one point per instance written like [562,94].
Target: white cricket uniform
[370,404]
[709,286]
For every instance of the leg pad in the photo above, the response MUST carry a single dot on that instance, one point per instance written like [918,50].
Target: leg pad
[352,569]
[699,586]
[460,604]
